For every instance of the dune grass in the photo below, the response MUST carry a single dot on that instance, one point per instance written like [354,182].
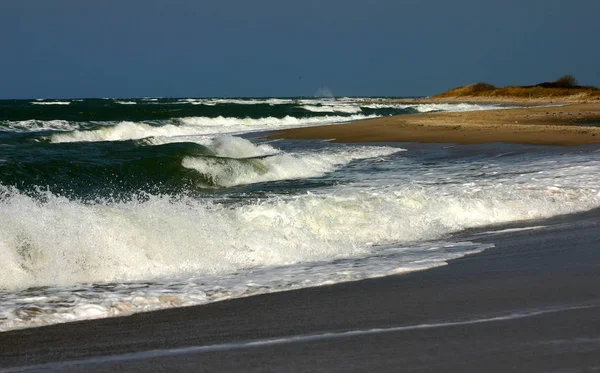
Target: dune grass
[564,86]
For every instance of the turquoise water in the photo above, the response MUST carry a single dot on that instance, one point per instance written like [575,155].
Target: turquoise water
[114,206]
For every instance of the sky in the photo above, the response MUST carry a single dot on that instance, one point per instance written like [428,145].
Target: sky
[259,48]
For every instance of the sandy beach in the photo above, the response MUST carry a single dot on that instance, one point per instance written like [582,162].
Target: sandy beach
[530,304]
[575,124]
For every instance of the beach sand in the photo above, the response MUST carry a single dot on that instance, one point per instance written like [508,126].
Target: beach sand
[575,124]
[531,304]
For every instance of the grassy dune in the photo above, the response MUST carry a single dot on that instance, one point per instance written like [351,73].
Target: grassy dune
[565,87]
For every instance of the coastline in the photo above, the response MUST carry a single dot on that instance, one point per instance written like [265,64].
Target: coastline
[530,302]
[576,124]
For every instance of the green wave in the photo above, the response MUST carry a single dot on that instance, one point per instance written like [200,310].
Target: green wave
[87,171]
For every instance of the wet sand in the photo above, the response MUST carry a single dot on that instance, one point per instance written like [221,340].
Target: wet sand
[531,304]
[576,124]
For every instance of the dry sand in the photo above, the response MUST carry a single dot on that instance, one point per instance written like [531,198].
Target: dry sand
[575,124]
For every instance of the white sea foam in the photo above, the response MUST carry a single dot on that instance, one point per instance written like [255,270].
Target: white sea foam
[325,105]
[236,101]
[332,108]
[237,147]
[269,122]
[196,126]
[356,105]
[121,131]
[33,125]
[227,172]
[425,108]
[205,125]
[51,102]
[239,161]
[61,242]
[82,302]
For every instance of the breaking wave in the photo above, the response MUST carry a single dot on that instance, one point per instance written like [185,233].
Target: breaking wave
[54,240]
[195,126]
[240,162]
[51,102]
[33,125]
[332,108]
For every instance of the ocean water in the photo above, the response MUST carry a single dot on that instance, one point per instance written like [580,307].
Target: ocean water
[115,206]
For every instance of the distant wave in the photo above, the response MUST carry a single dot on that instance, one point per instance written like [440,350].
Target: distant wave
[33,125]
[51,102]
[236,101]
[269,122]
[356,107]
[424,108]
[122,131]
[196,126]
[332,108]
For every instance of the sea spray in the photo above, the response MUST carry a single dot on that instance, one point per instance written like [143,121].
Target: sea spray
[49,240]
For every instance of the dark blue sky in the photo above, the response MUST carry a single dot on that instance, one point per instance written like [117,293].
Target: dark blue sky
[76,48]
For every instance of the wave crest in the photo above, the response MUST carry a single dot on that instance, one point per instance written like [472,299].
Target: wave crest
[196,126]
[332,108]
[240,162]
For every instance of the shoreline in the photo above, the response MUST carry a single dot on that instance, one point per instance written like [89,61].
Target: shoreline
[529,302]
[576,124]
[499,308]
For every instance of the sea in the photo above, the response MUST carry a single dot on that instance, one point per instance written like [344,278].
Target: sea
[110,207]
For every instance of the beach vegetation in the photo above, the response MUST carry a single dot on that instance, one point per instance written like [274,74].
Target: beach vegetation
[566,81]
[472,89]
[564,86]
